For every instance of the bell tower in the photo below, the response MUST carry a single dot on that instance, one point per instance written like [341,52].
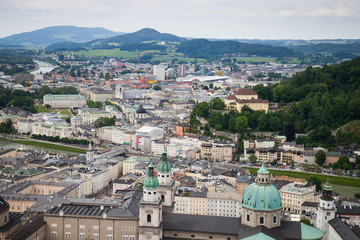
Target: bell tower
[150,208]
[326,209]
[166,189]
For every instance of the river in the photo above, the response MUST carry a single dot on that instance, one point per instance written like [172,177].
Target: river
[6,144]
[43,67]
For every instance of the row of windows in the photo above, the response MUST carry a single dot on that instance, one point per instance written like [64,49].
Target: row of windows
[95,236]
[109,228]
[261,219]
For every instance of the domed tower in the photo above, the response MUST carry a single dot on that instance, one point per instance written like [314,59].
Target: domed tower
[150,208]
[326,208]
[166,189]
[261,202]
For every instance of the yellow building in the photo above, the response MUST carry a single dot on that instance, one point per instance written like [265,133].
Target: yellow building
[246,97]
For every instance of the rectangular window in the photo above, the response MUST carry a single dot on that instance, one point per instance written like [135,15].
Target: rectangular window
[125,237]
[109,237]
[96,236]
[110,228]
[274,219]
[81,235]
[82,226]
[67,225]
[53,225]
[95,227]
[125,228]
[131,237]
[261,220]
[67,234]
[53,234]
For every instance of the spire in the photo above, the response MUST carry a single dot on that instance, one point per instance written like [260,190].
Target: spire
[164,165]
[90,146]
[263,169]
[151,182]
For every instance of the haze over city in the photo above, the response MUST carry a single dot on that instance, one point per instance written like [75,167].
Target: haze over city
[249,19]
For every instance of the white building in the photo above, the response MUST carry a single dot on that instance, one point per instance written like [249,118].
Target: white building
[147,134]
[64,101]
[25,125]
[159,72]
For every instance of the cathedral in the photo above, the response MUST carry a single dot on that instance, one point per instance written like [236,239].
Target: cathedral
[260,218]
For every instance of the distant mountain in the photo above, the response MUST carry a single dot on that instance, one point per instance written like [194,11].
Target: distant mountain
[56,34]
[330,48]
[202,48]
[145,34]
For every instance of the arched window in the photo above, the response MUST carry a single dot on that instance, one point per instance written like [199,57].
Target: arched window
[261,220]
[148,218]
[163,198]
[248,217]
[274,219]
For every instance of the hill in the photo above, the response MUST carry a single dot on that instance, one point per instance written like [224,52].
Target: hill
[143,35]
[202,48]
[329,48]
[56,34]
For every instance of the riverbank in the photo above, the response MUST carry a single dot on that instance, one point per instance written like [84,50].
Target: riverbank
[45,145]
[346,181]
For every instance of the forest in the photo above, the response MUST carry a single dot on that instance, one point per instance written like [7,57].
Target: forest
[317,100]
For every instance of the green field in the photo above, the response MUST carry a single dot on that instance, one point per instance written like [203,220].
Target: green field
[347,181]
[255,59]
[346,191]
[49,145]
[115,52]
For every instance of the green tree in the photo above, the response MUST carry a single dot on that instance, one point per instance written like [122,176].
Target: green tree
[335,166]
[320,157]
[93,104]
[157,87]
[306,221]
[217,104]
[316,181]
[343,160]
[290,132]
[202,109]
[346,167]
[241,124]
[252,158]
[104,121]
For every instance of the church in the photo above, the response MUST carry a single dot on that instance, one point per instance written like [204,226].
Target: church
[261,213]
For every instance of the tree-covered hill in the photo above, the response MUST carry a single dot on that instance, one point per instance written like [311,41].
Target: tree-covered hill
[55,34]
[202,48]
[353,48]
[318,99]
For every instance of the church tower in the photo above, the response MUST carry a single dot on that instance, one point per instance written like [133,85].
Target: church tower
[150,208]
[326,209]
[166,189]
[261,202]
[90,153]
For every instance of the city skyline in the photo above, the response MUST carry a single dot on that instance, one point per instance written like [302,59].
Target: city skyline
[230,19]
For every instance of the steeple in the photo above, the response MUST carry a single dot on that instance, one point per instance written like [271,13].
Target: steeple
[326,209]
[263,175]
[151,185]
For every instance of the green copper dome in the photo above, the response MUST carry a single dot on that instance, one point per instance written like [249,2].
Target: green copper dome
[164,165]
[262,195]
[151,182]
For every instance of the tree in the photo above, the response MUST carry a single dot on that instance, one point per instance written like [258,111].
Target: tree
[357,195]
[346,167]
[241,124]
[157,87]
[104,121]
[252,158]
[343,160]
[316,181]
[320,157]
[211,85]
[306,221]
[290,132]
[217,104]
[335,166]
[274,162]
[202,109]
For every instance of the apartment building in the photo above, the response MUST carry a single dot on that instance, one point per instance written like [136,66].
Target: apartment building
[294,195]
[52,129]
[72,221]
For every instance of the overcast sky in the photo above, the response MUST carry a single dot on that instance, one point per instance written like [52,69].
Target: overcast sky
[262,19]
